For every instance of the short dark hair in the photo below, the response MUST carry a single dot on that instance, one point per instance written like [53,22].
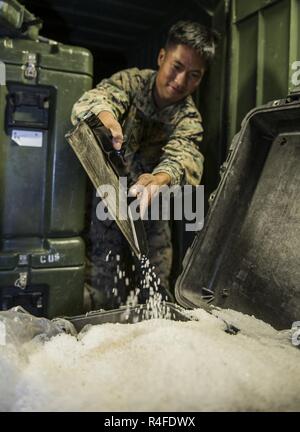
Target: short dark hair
[195,35]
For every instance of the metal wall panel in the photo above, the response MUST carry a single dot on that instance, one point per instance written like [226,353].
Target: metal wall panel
[243,71]
[294,48]
[264,44]
[274,65]
[244,9]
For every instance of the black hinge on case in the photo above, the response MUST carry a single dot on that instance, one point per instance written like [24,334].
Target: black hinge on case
[293,97]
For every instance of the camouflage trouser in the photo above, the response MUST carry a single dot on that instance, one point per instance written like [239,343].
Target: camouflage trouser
[112,270]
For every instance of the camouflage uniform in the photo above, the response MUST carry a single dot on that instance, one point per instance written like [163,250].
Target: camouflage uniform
[156,140]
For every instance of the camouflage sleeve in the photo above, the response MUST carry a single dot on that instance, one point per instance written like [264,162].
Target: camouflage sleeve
[114,94]
[181,158]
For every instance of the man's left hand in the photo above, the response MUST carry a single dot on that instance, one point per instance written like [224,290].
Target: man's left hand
[147,187]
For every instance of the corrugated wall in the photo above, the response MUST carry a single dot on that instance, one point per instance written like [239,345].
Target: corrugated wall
[264,44]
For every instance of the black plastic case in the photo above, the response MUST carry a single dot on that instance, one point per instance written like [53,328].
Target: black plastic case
[247,257]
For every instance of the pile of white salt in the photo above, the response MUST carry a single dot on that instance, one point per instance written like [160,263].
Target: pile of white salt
[156,365]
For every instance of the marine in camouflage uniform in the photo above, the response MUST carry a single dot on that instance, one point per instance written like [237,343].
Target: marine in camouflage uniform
[157,140]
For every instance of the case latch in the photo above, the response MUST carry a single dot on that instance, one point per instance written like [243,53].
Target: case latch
[30,70]
[22,280]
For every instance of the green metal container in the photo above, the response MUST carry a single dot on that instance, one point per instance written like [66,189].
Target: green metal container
[46,277]
[16,20]
[42,185]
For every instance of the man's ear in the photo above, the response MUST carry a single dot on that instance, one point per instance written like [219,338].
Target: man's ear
[161,56]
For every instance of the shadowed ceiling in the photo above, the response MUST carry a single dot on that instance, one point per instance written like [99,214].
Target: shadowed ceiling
[114,29]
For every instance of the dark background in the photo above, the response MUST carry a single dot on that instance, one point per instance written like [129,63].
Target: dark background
[119,33]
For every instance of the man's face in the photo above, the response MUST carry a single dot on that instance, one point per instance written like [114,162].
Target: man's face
[180,72]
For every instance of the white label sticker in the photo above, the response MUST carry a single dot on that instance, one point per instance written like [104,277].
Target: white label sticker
[27,138]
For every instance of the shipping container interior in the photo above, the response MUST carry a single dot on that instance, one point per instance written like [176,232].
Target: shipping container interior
[259,43]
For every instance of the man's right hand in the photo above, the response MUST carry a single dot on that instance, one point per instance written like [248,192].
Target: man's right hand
[114,126]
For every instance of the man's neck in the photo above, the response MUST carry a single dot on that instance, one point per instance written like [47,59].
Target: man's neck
[156,99]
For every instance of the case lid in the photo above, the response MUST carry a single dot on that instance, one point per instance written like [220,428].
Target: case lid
[41,253]
[16,21]
[47,54]
[247,257]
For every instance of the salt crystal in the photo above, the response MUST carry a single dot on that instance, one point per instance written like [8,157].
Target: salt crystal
[107,256]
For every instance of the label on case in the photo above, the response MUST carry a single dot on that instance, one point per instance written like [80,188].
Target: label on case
[26,138]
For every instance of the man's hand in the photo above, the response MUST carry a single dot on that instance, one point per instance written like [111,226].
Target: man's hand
[114,126]
[147,187]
